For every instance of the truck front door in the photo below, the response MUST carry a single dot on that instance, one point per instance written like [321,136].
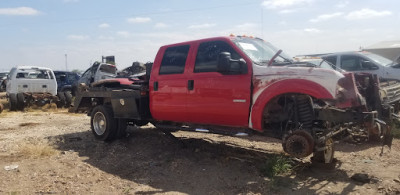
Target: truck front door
[215,98]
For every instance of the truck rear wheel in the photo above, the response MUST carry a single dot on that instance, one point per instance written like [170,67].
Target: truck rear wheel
[12,100]
[103,123]
[68,98]
[61,100]
[20,101]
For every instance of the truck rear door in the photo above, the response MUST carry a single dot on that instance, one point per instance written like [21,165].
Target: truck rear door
[168,84]
[215,98]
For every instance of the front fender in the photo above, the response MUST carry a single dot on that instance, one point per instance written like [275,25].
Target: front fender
[298,86]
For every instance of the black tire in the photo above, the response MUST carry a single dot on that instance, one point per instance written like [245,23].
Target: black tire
[74,90]
[103,124]
[68,98]
[2,87]
[61,99]
[1,107]
[20,101]
[326,156]
[12,100]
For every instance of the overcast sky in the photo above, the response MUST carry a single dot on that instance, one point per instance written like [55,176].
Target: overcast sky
[42,32]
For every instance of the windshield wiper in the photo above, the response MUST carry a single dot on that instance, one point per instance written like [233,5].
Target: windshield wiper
[273,57]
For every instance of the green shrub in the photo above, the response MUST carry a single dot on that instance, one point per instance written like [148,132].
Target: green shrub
[276,165]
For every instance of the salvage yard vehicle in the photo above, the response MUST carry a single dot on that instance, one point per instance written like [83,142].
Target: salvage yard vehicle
[3,81]
[28,85]
[233,85]
[365,62]
[65,79]
[98,71]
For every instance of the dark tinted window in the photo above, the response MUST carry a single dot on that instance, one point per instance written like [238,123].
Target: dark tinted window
[174,60]
[111,69]
[207,55]
[59,75]
[72,77]
[331,59]
[350,63]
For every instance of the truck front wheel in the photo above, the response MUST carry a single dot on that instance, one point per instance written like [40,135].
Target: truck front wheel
[327,155]
[12,100]
[103,123]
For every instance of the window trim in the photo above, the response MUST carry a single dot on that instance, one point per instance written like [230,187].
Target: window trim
[210,42]
[185,62]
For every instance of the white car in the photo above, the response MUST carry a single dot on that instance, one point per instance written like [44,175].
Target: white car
[32,85]
[365,62]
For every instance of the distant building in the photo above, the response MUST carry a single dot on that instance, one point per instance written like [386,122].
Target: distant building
[388,49]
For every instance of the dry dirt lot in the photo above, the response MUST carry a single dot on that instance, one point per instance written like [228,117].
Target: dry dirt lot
[57,154]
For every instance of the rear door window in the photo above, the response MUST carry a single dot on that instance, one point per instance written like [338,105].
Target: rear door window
[174,60]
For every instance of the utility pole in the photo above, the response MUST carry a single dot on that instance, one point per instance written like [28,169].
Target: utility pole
[66,62]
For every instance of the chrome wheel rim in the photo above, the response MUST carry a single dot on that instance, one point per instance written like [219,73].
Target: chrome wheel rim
[99,123]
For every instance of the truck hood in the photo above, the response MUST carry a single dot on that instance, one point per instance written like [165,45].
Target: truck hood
[267,75]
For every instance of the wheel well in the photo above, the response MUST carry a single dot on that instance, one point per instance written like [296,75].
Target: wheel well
[69,88]
[288,111]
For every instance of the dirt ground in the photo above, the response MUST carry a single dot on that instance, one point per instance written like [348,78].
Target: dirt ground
[54,152]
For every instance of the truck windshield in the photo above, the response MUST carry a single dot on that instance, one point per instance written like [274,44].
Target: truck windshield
[378,59]
[111,69]
[33,74]
[261,52]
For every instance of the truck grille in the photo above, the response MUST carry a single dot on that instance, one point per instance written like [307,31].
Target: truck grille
[392,89]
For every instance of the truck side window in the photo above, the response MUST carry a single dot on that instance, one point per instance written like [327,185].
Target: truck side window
[350,63]
[174,60]
[207,55]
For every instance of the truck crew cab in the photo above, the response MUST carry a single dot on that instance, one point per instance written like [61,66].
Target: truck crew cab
[231,85]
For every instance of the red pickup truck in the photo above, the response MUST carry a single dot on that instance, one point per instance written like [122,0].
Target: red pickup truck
[232,85]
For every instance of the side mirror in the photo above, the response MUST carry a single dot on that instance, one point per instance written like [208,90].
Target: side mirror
[227,65]
[224,62]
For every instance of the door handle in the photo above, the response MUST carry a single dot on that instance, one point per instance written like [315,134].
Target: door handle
[155,87]
[190,84]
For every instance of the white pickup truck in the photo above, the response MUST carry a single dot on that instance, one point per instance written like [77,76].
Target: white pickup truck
[29,85]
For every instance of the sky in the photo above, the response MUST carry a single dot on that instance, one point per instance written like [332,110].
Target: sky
[72,34]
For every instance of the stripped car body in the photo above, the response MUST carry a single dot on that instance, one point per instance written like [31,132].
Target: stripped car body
[28,85]
[378,95]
